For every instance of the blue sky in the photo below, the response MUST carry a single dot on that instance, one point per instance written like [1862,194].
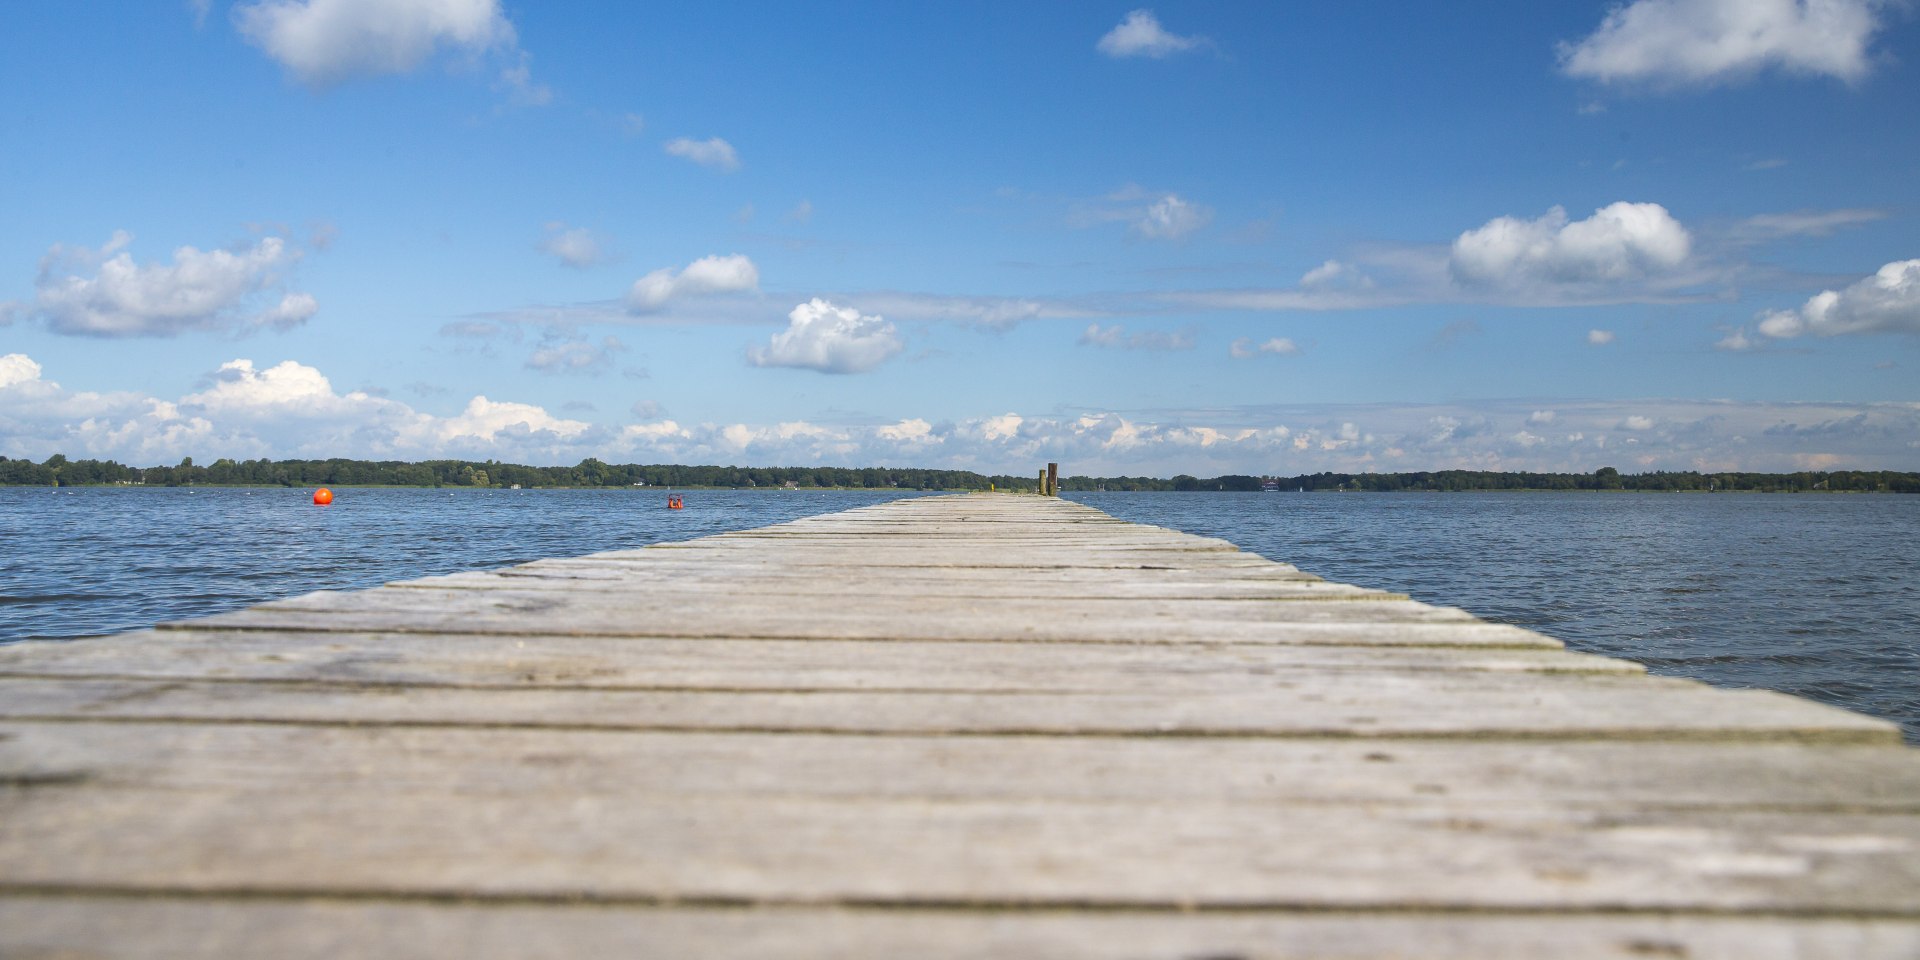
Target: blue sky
[1203,238]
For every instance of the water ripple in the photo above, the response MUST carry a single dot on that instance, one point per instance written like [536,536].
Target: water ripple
[1813,595]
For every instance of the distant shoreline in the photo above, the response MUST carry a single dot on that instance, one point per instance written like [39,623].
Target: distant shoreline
[773,490]
[592,474]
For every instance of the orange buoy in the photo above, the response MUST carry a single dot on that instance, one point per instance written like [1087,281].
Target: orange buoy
[322,497]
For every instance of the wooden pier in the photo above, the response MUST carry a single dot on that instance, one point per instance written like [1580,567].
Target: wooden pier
[971,726]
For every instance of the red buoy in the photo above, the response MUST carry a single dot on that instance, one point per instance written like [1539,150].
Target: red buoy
[322,497]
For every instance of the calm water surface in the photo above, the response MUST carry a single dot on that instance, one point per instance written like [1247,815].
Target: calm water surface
[1814,595]
[102,559]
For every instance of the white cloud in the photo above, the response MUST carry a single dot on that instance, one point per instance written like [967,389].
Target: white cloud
[1245,348]
[1736,341]
[286,388]
[703,277]
[293,310]
[1542,417]
[322,42]
[1152,215]
[908,431]
[1887,302]
[1710,41]
[16,369]
[713,153]
[574,246]
[1140,35]
[801,212]
[562,354]
[199,290]
[291,410]
[1170,218]
[1003,427]
[488,420]
[1599,338]
[830,339]
[1118,338]
[1335,275]
[1621,242]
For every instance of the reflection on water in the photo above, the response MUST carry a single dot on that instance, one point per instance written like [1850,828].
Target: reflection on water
[1815,595]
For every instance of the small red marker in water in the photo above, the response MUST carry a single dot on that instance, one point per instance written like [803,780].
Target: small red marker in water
[322,497]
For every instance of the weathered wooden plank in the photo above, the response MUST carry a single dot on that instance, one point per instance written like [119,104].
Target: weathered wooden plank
[308,839]
[853,623]
[686,587]
[187,929]
[1470,705]
[881,617]
[851,565]
[1466,778]
[908,556]
[665,662]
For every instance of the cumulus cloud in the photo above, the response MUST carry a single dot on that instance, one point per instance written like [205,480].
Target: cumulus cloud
[291,410]
[488,420]
[1887,302]
[1141,35]
[1620,242]
[16,369]
[1599,338]
[703,277]
[288,388]
[830,339]
[575,247]
[105,293]
[913,430]
[1245,348]
[1702,42]
[1116,337]
[242,410]
[713,153]
[322,42]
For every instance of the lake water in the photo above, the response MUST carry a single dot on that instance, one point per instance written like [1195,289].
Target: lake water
[1814,595]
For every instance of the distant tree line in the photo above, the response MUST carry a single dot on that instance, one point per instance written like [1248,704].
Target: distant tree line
[1605,478]
[57,470]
